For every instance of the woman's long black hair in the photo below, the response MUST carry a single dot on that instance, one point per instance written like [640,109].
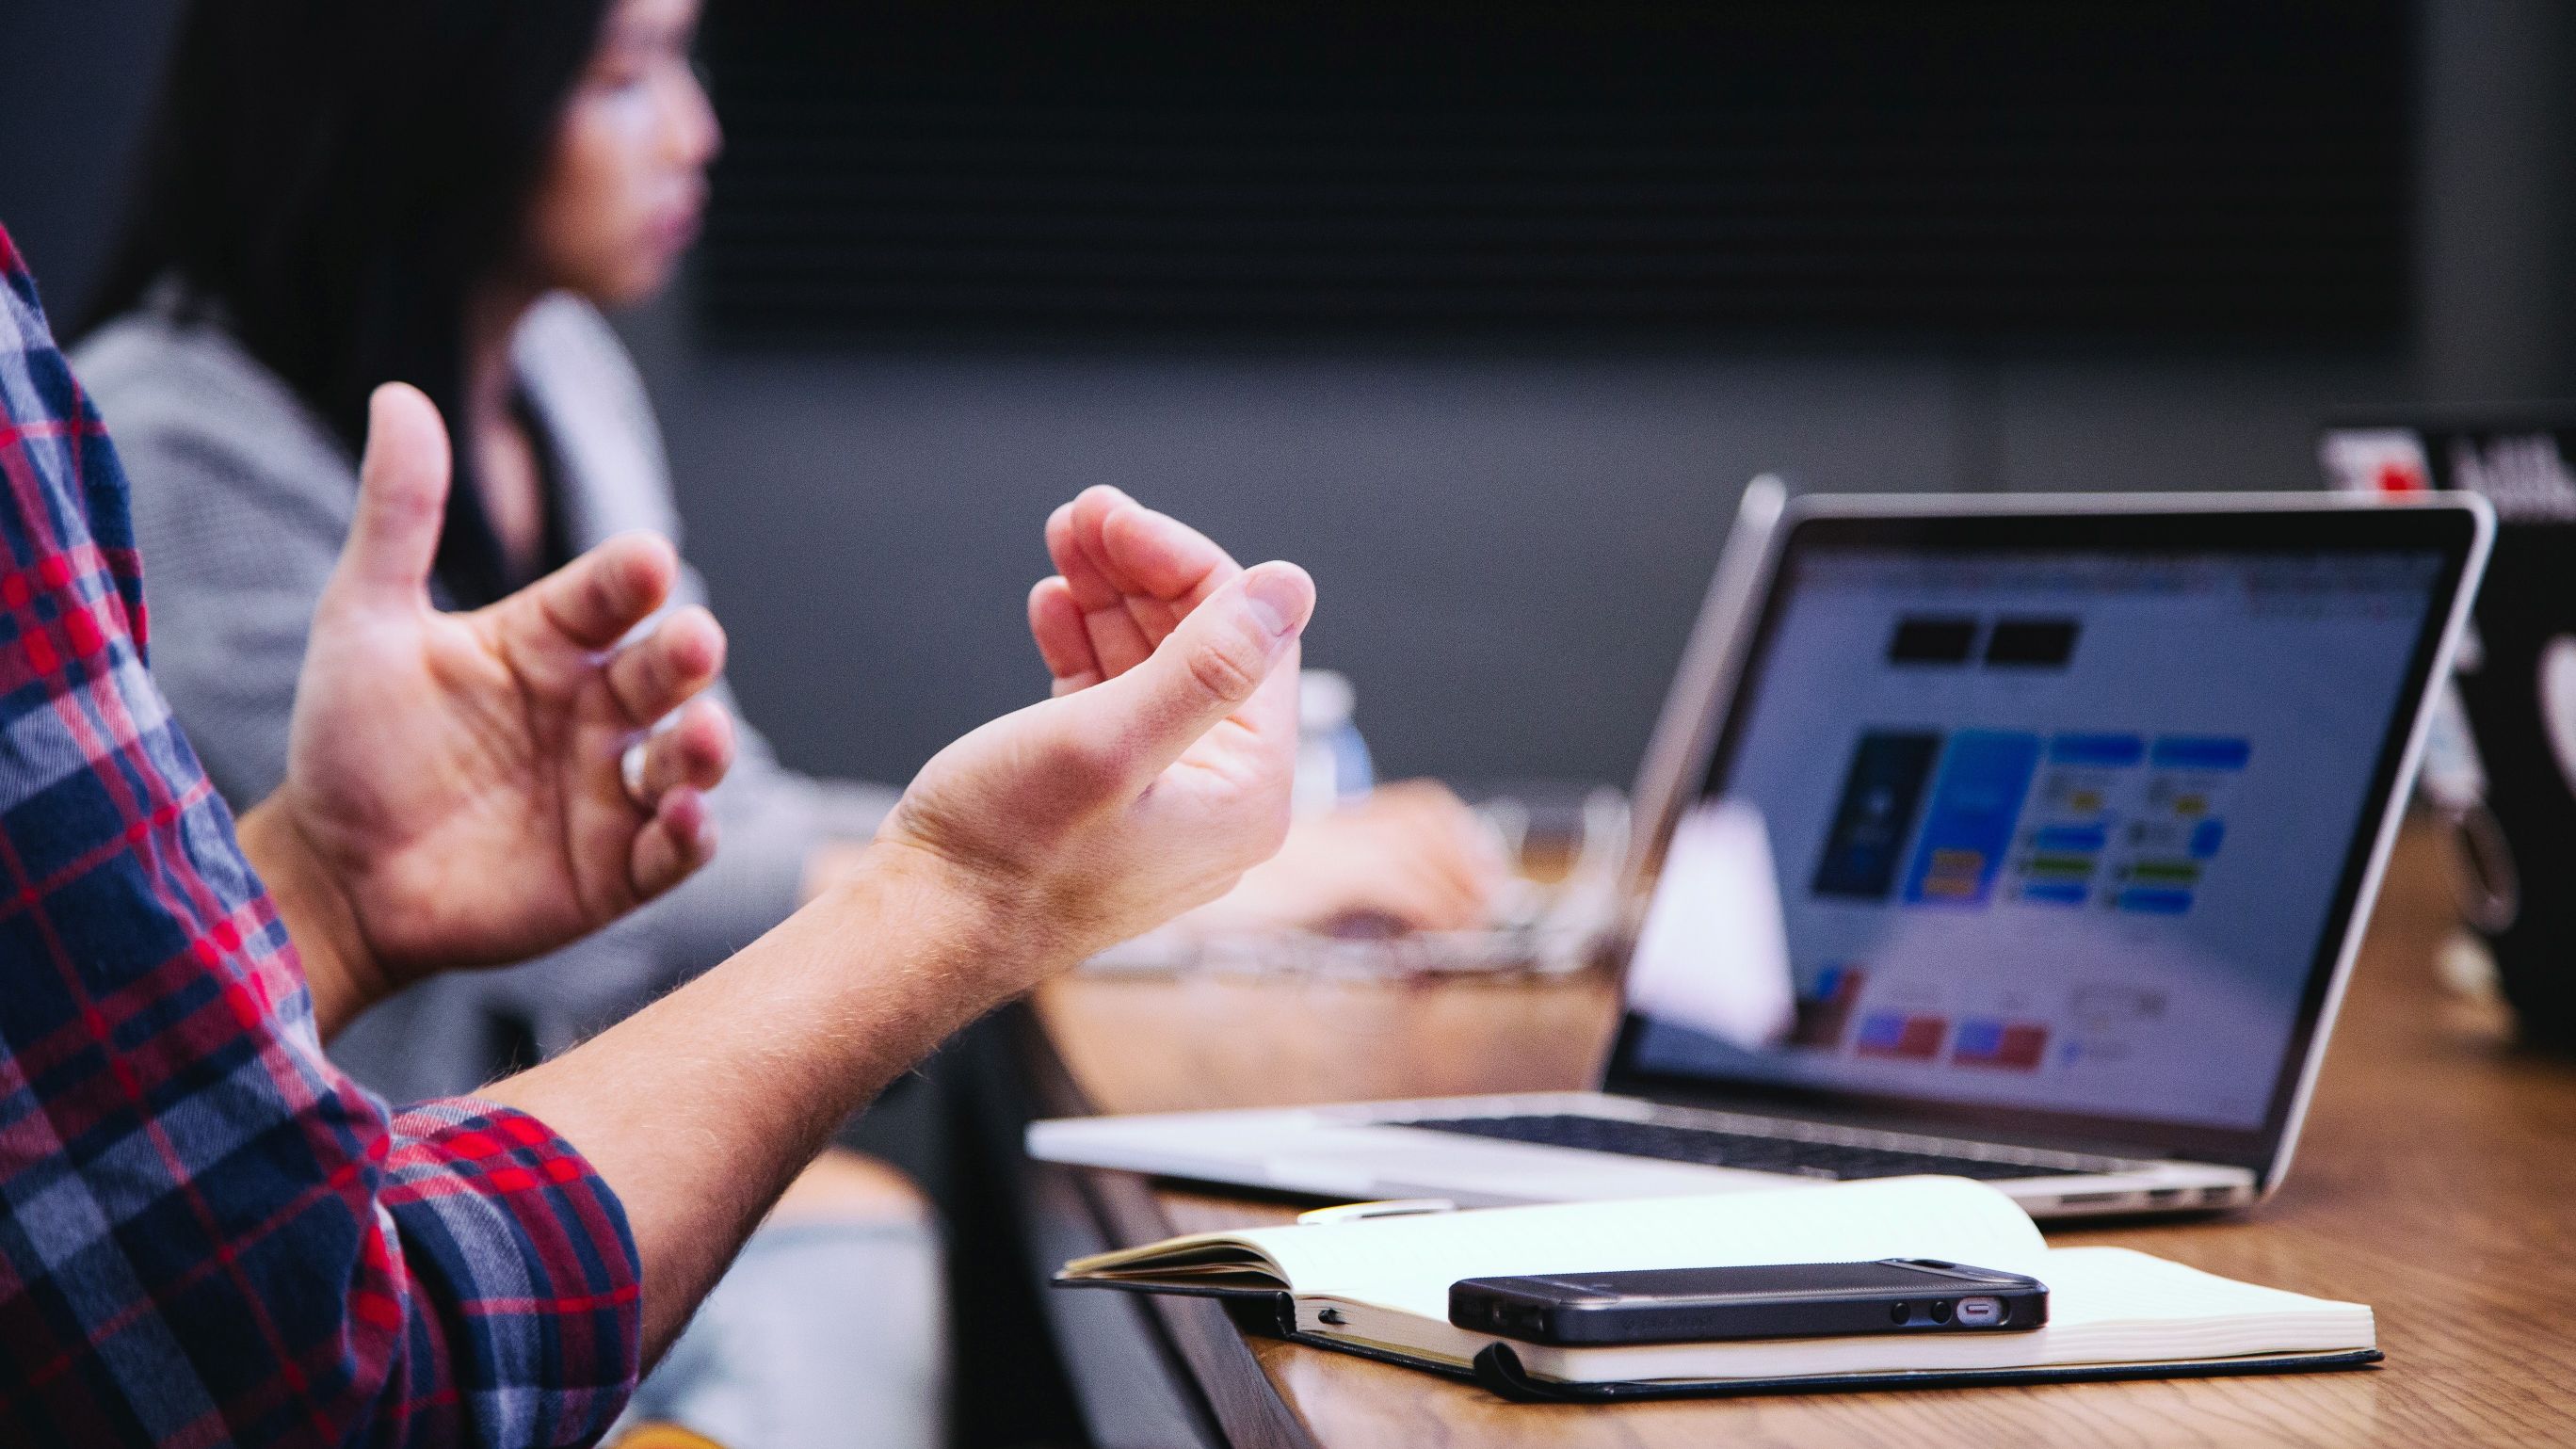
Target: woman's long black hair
[336,177]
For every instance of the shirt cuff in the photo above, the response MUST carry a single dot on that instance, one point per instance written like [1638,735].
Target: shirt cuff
[524,1265]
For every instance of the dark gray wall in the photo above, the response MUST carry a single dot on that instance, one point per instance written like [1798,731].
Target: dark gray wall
[1509,549]
[1510,546]
[75,79]
[2497,147]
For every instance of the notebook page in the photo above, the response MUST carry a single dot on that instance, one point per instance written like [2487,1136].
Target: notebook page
[1408,1263]
[2108,1285]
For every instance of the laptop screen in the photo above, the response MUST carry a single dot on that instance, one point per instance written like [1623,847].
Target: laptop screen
[2065,834]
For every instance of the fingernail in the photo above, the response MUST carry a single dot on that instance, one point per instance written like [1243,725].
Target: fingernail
[1276,597]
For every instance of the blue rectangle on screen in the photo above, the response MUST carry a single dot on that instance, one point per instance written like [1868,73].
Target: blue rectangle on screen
[1976,802]
[1977,1039]
[2206,837]
[2054,892]
[2202,752]
[2155,902]
[2075,839]
[1882,790]
[2103,750]
[1883,1030]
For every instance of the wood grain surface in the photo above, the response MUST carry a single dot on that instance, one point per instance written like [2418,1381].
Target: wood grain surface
[2436,1181]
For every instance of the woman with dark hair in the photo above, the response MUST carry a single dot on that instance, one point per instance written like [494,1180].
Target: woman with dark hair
[445,193]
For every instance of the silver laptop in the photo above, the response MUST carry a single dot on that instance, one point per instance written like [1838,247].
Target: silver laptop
[2025,839]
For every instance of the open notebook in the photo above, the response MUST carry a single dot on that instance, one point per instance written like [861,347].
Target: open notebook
[1381,1287]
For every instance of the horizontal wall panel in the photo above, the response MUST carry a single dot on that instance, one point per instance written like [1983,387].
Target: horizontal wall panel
[1415,167]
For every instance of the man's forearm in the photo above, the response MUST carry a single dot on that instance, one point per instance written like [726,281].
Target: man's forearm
[699,1109]
[337,963]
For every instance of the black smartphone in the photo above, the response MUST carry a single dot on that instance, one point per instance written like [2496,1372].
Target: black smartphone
[1787,1300]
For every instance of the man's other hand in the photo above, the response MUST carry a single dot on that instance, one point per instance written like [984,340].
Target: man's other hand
[457,789]
[1409,856]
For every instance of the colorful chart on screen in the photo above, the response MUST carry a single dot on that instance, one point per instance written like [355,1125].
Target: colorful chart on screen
[2056,831]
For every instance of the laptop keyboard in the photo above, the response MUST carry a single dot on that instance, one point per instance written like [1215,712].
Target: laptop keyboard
[1714,1147]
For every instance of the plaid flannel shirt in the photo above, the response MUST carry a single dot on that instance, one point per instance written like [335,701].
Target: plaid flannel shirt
[208,1236]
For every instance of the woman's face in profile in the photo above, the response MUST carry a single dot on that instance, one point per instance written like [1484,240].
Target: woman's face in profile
[622,193]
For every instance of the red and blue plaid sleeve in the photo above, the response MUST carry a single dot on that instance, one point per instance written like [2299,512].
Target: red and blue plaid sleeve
[208,1236]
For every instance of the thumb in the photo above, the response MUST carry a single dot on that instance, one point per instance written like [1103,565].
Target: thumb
[402,498]
[1210,667]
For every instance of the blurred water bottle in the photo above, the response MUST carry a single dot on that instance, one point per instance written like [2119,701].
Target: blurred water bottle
[1332,760]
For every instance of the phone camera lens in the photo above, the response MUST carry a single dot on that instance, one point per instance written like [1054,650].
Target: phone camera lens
[1941,1311]
[1901,1313]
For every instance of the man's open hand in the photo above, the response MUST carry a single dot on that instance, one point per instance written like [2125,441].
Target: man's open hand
[454,781]
[1158,774]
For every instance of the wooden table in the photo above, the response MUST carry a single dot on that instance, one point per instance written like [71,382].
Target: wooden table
[2436,1181]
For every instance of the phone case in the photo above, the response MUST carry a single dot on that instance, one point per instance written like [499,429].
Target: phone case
[1803,1300]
